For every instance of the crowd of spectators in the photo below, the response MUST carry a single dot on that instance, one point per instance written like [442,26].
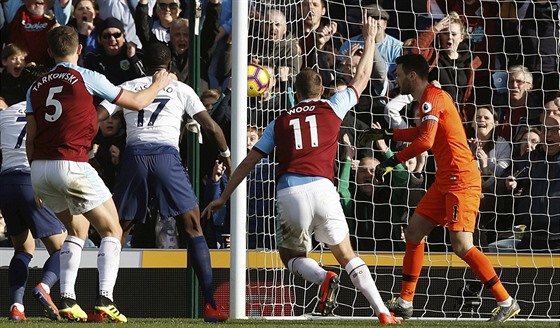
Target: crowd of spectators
[498,60]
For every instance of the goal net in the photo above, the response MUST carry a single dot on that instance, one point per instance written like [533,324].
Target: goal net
[284,36]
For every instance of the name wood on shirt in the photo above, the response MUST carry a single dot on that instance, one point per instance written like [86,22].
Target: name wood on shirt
[300,109]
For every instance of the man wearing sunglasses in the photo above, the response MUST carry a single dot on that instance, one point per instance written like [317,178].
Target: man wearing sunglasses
[116,58]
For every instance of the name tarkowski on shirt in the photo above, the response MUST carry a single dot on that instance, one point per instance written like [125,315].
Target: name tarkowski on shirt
[68,77]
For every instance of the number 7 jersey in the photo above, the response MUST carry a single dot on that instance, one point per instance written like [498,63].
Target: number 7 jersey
[12,136]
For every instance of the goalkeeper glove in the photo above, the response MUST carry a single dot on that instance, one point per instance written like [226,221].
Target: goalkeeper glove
[375,134]
[387,166]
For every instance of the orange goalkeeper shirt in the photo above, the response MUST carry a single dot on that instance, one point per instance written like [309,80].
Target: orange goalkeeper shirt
[441,130]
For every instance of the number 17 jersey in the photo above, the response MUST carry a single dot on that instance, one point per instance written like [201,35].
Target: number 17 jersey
[158,124]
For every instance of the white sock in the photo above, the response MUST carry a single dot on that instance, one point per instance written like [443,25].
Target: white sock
[70,258]
[506,303]
[308,269]
[361,278]
[404,303]
[46,288]
[108,260]
[18,306]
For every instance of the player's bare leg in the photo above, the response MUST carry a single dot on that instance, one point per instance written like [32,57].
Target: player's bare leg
[300,265]
[361,278]
[126,229]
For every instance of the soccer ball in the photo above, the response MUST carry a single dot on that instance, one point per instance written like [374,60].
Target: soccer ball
[257,80]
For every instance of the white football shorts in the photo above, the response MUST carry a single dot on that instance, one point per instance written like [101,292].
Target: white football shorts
[304,209]
[69,185]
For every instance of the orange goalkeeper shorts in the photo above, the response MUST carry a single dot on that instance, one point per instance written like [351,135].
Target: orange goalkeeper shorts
[456,208]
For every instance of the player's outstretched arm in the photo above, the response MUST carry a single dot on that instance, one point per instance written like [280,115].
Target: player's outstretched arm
[213,130]
[365,66]
[252,158]
[139,100]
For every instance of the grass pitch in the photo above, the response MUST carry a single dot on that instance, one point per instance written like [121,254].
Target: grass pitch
[261,323]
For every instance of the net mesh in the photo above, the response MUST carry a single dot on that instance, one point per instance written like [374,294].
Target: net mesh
[497,37]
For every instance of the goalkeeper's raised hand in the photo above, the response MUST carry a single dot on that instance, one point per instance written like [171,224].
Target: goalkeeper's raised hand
[382,169]
[375,134]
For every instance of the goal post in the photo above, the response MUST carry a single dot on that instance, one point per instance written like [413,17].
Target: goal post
[239,150]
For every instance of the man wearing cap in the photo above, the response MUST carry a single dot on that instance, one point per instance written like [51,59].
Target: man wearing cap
[117,59]
[388,47]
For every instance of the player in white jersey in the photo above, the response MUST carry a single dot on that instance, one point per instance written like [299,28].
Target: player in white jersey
[25,221]
[154,169]
[305,138]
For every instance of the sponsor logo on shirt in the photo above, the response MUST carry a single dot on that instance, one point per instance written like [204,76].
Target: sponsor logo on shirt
[34,26]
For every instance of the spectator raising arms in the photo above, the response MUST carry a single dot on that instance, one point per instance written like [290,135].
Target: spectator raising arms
[84,21]
[166,12]
[451,62]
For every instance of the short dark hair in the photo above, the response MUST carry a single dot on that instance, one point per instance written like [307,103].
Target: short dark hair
[12,49]
[63,41]
[414,63]
[308,83]
[156,56]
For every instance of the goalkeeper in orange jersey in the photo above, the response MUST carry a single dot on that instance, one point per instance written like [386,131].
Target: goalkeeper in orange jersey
[452,200]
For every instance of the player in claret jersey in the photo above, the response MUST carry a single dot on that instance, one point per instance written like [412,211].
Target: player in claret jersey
[305,138]
[452,200]
[61,124]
